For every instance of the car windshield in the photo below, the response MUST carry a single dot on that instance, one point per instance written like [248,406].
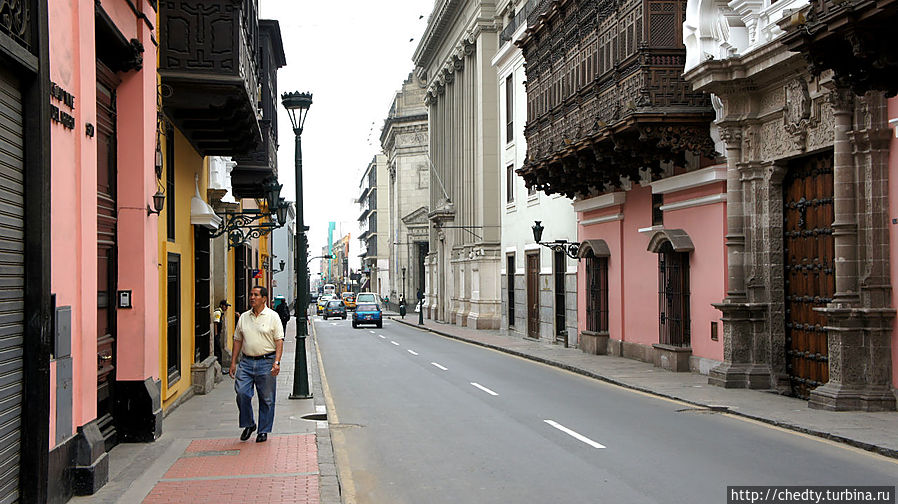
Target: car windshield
[334,304]
[367,307]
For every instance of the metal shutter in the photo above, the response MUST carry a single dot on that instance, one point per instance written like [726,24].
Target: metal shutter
[12,282]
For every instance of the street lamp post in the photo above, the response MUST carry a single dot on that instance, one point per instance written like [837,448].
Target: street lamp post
[297,105]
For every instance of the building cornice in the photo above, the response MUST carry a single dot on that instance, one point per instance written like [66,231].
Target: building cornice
[402,124]
[697,178]
[600,202]
[437,26]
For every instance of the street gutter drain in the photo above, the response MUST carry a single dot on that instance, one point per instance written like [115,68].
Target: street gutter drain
[315,416]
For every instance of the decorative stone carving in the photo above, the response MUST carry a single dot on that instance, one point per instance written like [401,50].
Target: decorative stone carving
[798,107]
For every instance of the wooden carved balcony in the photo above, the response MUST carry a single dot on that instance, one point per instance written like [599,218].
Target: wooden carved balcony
[606,96]
[248,177]
[207,65]
[255,167]
[851,37]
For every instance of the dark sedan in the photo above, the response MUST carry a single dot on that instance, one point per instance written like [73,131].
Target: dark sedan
[335,309]
[367,313]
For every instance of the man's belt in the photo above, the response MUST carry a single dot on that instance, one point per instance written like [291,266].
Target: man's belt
[258,357]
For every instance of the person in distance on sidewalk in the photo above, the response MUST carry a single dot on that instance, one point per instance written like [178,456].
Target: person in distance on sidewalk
[259,337]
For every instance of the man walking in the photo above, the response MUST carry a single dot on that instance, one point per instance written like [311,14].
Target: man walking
[259,337]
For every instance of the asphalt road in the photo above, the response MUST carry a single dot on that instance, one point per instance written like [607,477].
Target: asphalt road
[424,419]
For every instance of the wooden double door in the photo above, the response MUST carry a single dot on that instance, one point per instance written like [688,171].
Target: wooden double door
[809,269]
[107,246]
[533,295]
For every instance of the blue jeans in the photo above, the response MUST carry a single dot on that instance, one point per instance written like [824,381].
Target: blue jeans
[255,372]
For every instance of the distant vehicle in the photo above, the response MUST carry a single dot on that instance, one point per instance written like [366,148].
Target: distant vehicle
[367,313]
[367,297]
[330,289]
[313,297]
[349,300]
[335,308]
[322,302]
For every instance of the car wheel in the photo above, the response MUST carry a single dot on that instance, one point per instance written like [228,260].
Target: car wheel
[354,325]
[344,316]
[324,317]
[380,325]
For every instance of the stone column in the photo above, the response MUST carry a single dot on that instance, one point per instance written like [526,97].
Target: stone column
[858,337]
[845,224]
[738,369]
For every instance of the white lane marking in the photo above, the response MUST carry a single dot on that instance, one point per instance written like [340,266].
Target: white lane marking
[439,366]
[381,336]
[320,408]
[372,332]
[574,434]
[333,323]
[481,387]
[413,352]
[393,342]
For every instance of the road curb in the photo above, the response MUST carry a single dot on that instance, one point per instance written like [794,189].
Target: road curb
[329,481]
[886,452]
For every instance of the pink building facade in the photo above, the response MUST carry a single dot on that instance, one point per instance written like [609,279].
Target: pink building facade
[655,263]
[103,380]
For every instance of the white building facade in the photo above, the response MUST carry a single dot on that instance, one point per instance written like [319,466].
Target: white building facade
[544,308]
[453,61]
[404,142]
[374,225]
[283,241]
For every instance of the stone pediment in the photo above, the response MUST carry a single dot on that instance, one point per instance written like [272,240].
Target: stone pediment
[417,218]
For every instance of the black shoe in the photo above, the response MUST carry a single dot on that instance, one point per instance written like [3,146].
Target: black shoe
[262,437]
[247,432]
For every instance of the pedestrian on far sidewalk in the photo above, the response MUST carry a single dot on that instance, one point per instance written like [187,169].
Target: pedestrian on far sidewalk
[283,311]
[218,317]
[259,337]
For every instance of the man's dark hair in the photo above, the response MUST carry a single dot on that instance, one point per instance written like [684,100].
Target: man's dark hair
[262,291]
[223,303]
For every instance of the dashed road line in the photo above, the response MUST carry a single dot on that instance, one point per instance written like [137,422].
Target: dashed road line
[575,435]
[481,387]
[381,336]
[413,352]
[393,342]
[439,366]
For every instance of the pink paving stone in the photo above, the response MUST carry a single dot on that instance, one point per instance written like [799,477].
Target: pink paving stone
[279,455]
[272,490]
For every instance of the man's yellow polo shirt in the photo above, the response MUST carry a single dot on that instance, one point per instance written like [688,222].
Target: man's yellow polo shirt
[259,333]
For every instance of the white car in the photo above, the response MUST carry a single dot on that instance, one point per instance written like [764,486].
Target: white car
[367,297]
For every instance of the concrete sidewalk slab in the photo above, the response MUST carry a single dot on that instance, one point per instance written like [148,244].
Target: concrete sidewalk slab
[199,457]
[876,432]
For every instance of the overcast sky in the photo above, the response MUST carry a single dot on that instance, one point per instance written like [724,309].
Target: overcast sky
[353,57]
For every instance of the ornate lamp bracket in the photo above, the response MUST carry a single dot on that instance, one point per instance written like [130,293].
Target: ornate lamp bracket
[570,249]
[241,226]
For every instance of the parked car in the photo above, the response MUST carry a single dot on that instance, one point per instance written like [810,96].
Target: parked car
[322,302]
[349,300]
[367,313]
[335,308]
[367,297]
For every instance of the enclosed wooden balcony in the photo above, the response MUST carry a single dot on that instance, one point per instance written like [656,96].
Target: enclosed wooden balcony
[606,96]
[851,37]
[248,177]
[209,75]
[255,167]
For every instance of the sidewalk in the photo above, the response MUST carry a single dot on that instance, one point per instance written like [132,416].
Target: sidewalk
[200,458]
[877,432]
